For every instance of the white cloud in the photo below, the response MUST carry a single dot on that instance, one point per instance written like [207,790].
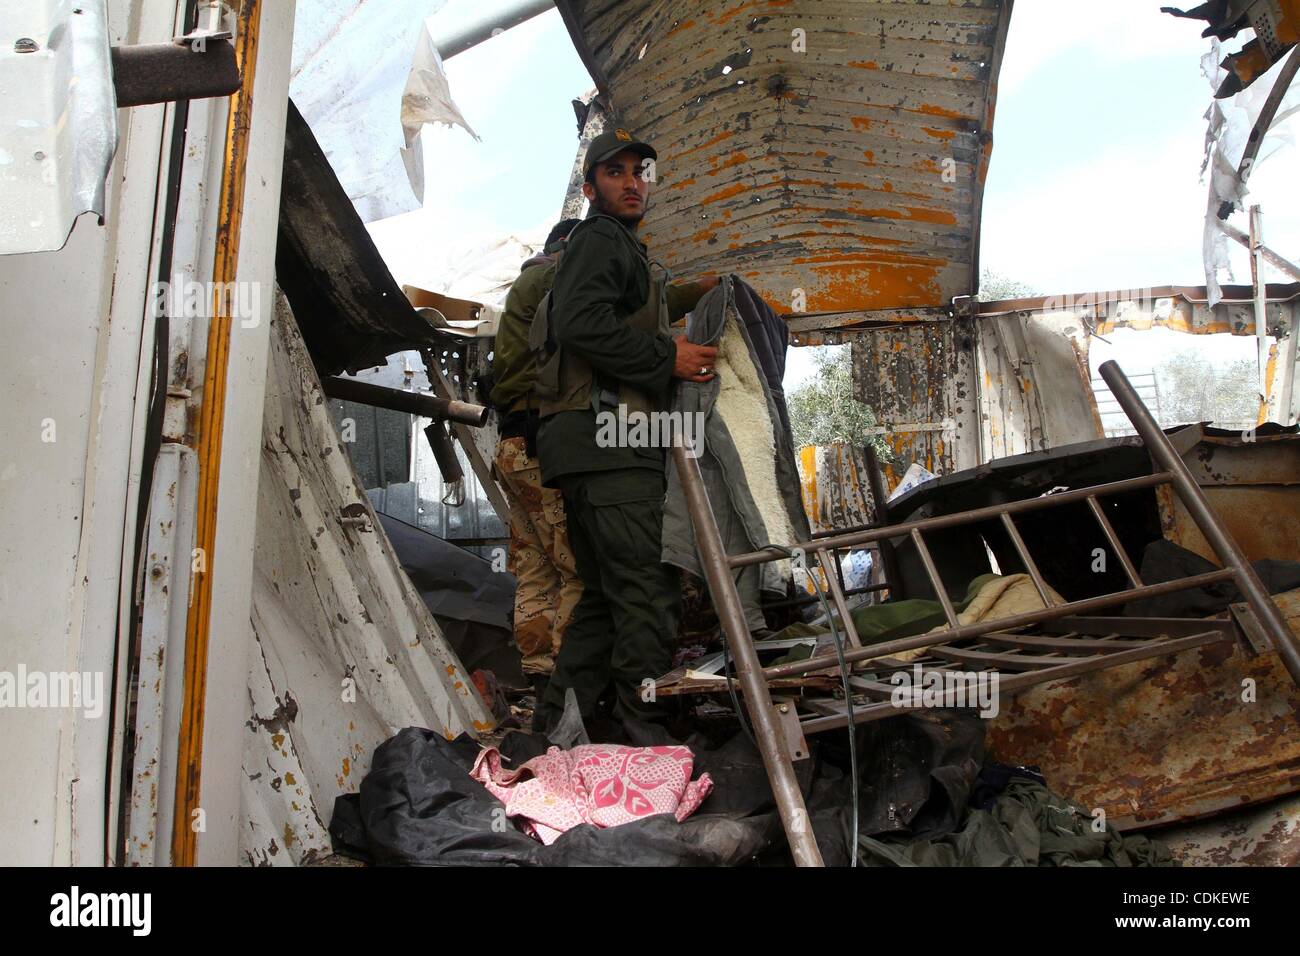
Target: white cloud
[1111,31]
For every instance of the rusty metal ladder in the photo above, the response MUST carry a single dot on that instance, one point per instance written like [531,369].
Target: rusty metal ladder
[1067,645]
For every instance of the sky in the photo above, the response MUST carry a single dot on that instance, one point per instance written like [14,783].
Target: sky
[1094,182]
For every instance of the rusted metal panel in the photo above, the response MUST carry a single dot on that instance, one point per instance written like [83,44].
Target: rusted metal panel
[1265,835]
[835,485]
[1164,740]
[832,153]
[1254,487]
[919,380]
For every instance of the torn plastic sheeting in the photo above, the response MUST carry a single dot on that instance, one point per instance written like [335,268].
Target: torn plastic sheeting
[426,99]
[1230,122]
[366,78]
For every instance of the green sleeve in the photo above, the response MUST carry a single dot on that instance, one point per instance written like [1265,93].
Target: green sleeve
[512,363]
[593,275]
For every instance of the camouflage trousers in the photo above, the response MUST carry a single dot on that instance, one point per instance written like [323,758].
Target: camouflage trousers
[548,587]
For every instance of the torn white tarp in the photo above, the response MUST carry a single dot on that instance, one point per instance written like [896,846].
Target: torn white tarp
[426,99]
[1230,122]
[485,272]
[366,77]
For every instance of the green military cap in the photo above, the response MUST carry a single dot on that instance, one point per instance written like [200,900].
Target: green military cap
[612,142]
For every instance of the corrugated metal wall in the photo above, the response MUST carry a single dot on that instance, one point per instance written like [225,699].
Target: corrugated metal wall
[803,143]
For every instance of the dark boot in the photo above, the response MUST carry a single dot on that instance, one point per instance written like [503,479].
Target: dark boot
[539,692]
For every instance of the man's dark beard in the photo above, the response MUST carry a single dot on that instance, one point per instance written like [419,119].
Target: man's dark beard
[630,221]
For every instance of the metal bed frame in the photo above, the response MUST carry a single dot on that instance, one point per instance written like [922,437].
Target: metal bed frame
[1033,647]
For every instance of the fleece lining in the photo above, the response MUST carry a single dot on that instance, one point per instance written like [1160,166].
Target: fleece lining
[742,404]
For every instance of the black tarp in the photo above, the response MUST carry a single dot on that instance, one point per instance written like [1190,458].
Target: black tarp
[419,806]
[1165,561]
[472,603]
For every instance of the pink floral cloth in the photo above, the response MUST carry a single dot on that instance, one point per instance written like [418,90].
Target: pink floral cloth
[601,784]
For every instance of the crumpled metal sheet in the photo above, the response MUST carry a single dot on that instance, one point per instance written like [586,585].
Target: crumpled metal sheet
[803,143]
[345,652]
[58,121]
[1165,740]
[920,381]
[365,81]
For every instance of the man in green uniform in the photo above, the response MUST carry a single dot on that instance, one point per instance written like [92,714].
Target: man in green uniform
[609,321]
[547,587]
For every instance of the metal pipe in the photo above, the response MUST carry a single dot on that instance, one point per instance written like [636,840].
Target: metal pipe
[413,403]
[1106,529]
[1157,443]
[1018,682]
[497,22]
[936,582]
[1282,264]
[1261,308]
[860,538]
[165,72]
[814,599]
[444,453]
[1085,606]
[771,739]
[1021,549]
[837,594]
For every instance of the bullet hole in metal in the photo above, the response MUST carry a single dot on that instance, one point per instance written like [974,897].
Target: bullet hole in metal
[39,155]
[25,45]
[777,85]
[643,49]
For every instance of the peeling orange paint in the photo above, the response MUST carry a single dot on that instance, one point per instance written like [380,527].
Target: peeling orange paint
[725,134]
[931,110]
[938,133]
[861,122]
[914,213]
[735,189]
[864,64]
[727,15]
[735,159]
